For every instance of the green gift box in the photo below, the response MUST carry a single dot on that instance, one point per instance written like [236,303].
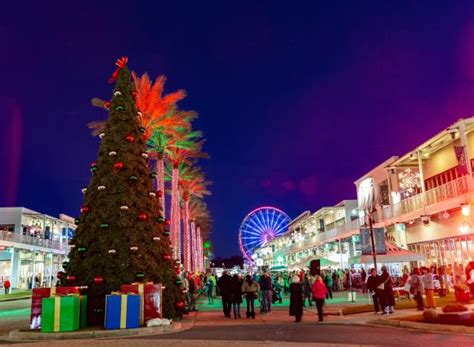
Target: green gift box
[60,313]
[83,312]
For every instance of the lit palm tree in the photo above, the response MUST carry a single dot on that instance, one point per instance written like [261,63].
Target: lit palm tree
[201,225]
[191,184]
[179,156]
[162,141]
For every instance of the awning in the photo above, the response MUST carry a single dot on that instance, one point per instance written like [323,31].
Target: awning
[394,254]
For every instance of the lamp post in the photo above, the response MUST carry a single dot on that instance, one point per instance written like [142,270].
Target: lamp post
[372,238]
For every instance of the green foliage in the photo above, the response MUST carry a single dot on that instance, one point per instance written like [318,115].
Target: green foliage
[125,229]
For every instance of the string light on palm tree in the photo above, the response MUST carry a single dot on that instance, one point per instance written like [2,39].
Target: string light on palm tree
[191,183]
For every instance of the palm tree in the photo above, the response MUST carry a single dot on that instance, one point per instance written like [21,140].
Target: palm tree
[191,184]
[170,134]
[178,156]
[201,225]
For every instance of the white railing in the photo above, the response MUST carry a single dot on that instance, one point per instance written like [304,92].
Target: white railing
[417,202]
[29,240]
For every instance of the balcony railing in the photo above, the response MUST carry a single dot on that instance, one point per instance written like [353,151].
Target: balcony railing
[417,202]
[32,241]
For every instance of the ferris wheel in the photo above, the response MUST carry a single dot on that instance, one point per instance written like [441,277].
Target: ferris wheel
[261,226]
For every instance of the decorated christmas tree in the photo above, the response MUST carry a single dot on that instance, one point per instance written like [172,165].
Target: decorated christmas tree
[121,236]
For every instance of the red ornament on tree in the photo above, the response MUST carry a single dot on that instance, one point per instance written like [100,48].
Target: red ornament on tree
[142,216]
[107,105]
[129,138]
[85,209]
[166,257]
[98,279]
[167,221]
[134,94]
[180,304]
[118,166]
[159,193]
[60,274]
[71,278]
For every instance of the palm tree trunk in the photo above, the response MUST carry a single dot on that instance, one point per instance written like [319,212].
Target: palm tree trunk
[193,246]
[199,257]
[160,183]
[175,216]
[186,237]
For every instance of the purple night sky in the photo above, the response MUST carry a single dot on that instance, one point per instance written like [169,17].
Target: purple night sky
[295,102]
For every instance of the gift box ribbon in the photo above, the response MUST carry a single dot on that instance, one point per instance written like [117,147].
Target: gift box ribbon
[123,312]
[57,313]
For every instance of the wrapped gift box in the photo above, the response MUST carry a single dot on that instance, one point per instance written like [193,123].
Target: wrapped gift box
[36,301]
[150,299]
[60,313]
[122,311]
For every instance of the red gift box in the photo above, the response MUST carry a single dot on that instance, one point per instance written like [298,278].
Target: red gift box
[37,298]
[150,299]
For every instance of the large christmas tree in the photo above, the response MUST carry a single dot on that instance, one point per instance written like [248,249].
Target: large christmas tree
[121,237]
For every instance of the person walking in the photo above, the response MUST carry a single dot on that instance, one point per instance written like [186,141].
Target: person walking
[192,293]
[250,289]
[236,295]
[319,294]
[428,285]
[363,278]
[210,291]
[7,286]
[416,288]
[307,292]
[225,289]
[296,298]
[334,281]
[389,298]
[372,283]
[328,283]
[266,291]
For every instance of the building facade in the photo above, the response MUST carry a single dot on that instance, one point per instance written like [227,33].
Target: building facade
[422,199]
[32,246]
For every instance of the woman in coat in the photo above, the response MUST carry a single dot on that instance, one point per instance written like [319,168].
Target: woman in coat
[236,295]
[296,298]
[319,294]
[386,285]
[250,288]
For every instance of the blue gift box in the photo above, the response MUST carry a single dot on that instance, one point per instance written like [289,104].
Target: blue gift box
[122,311]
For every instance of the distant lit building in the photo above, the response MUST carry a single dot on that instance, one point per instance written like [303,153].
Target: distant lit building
[32,244]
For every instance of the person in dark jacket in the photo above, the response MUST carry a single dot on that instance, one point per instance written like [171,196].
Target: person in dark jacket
[388,297]
[225,289]
[307,292]
[372,281]
[266,289]
[296,298]
[236,295]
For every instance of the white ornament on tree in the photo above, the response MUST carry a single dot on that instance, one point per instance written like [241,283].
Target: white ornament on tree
[100,188]
[112,153]
[117,93]
[101,135]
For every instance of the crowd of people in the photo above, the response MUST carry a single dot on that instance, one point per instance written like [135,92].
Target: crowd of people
[304,289]
[266,289]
